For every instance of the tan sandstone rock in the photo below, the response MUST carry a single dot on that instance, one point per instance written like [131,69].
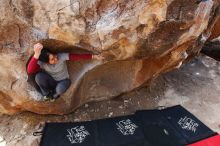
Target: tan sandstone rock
[139,39]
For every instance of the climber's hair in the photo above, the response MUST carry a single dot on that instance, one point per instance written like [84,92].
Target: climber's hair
[44,56]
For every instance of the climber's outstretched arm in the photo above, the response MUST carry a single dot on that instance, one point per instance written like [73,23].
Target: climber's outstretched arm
[74,57]
[33,67]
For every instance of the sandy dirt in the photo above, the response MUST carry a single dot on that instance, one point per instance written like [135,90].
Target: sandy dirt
[196,86]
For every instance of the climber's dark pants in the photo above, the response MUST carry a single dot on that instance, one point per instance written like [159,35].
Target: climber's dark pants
[50,86]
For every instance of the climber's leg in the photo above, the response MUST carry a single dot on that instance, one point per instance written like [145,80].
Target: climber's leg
[46,83]
[61,87]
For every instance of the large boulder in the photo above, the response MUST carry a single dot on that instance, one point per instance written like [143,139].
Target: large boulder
[139,39]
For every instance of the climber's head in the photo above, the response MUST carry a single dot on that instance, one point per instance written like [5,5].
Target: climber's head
[48,57]
[53,59]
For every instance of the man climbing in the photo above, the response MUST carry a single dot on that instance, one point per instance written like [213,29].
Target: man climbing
[51,70]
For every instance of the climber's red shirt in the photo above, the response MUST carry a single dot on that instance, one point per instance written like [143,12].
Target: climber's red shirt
[34,67]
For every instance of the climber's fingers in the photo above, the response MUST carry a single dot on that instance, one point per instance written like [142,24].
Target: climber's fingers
[37,48]
[98,57]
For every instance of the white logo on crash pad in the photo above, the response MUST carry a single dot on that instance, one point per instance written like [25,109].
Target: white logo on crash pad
[126,127]
[77,134]
[188,124]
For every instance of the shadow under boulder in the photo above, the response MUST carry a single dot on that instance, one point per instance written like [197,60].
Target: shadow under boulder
[212,49]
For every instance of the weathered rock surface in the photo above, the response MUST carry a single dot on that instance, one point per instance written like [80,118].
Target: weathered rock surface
[139,39]
[215,25]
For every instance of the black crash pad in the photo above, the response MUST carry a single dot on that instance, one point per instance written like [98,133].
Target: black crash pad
[173,126]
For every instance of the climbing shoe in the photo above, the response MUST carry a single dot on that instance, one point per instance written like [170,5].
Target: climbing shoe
[48,98]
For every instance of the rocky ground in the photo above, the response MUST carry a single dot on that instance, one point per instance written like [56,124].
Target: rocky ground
[196,86]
